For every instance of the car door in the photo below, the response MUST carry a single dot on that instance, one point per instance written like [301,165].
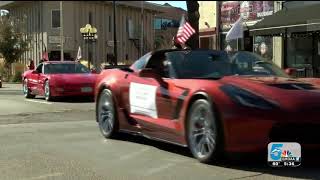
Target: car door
[152,101]
[124,83]
[41,80]
[34,79]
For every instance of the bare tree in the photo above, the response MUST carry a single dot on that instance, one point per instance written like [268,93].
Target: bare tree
[193,19]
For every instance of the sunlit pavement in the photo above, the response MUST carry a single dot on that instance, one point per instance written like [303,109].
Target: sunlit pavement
[61,140]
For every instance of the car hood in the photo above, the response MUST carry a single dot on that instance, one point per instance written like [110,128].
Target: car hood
[74,78]
[298,93]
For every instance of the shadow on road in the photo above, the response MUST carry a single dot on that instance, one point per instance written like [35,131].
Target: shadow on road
[75,99]
[70,99]
[256,162]
[157,144]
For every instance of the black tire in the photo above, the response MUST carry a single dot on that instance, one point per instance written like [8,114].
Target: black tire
[203,126]
[26,90]
[47,91]
[106,114]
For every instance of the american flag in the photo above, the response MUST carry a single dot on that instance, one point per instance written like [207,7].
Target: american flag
[185,31]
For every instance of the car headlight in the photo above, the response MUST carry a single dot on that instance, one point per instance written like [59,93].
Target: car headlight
[246,98]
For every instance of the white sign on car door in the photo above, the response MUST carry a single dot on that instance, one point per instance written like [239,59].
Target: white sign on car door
[143,99]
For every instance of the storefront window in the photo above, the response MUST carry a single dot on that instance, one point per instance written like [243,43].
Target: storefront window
[299,52]
[157,23]
[165,23]
[264,47]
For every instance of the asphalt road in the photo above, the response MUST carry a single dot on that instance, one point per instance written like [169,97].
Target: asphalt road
[61,140]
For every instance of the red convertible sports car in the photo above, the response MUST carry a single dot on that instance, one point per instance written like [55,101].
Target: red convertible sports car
[209,101]
[56,78]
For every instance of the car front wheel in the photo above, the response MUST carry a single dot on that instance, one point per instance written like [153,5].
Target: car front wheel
[47,92]
[106,114]
[26,90]
[202,131]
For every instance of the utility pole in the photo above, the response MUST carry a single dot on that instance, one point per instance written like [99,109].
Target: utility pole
[142,19]
[154,32]
[218,20]
[115,33]
[61,32]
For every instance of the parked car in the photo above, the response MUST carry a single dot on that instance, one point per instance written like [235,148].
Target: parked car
[209,101]
[57,79]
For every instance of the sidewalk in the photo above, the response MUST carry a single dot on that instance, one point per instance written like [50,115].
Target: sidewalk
[11,82]
[11,86]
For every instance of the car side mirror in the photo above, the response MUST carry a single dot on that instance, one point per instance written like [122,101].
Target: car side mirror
[35,72]
[290,71]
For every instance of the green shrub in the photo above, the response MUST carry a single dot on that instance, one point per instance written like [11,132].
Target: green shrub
[17,77]
[1,69]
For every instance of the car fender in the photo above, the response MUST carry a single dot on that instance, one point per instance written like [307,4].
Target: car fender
[201,94]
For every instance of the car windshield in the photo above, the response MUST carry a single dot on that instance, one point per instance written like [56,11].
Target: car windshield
[65,69]
[251,64]
[216,64]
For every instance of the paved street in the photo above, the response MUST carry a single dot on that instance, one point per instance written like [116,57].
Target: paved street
[61,140]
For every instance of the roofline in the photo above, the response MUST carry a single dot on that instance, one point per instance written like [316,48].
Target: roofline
[135,5]
[8,4]
[146,5]
[287,26]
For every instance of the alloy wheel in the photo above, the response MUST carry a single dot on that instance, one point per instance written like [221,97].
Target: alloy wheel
[202,133]
[106,113]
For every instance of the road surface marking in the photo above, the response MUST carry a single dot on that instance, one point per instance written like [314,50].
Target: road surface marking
[46,176]
[132,155]
[38,101]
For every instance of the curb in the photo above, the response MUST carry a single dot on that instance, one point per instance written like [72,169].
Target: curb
[11,83]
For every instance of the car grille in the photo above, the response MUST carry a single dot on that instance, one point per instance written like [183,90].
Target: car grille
[300,133]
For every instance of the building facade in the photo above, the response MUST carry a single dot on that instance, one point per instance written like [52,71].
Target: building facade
[42,28]
[297,29]
[251,12]
[208,36]
[166,25]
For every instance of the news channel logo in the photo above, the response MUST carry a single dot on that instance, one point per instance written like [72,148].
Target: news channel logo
[284,154]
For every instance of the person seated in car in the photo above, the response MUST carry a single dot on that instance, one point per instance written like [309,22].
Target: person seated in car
[31,65]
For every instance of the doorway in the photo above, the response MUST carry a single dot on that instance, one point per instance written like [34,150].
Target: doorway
[207,42]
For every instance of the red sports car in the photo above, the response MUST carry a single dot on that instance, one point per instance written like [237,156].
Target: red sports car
[209,101]
[56,78]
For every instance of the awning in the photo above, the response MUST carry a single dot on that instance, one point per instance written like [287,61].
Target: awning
[207,32]
[292,20]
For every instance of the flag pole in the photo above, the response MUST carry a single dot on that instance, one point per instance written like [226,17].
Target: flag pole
[115,50]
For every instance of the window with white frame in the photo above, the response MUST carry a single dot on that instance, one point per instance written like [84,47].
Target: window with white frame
[55,18]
